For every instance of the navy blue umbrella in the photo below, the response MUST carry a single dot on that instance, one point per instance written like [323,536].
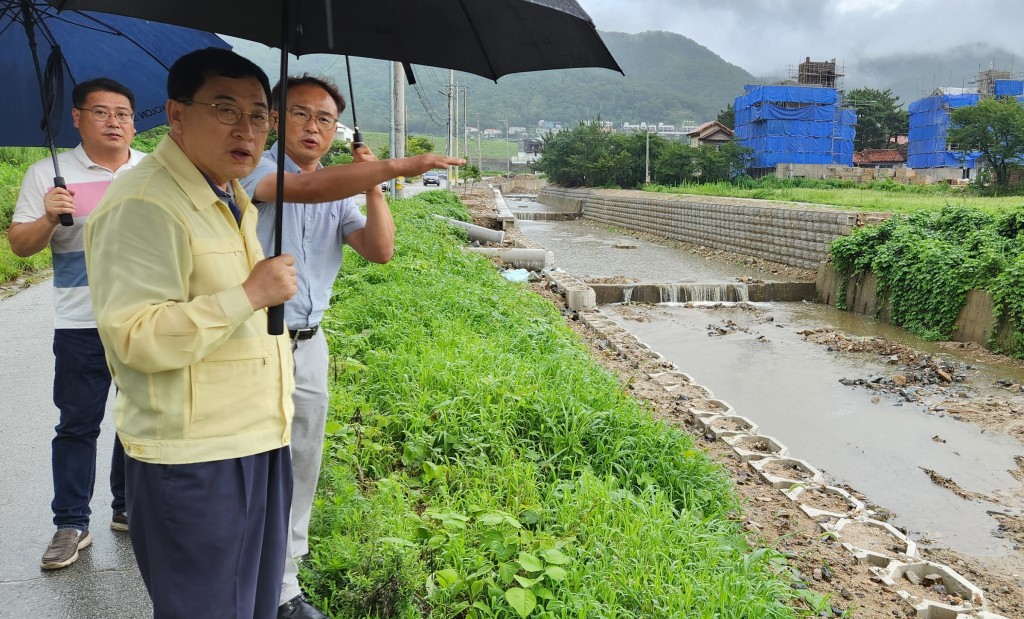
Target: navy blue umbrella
[132,51]
[78,46]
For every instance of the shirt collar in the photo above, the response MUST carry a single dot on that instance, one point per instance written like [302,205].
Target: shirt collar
[289,164]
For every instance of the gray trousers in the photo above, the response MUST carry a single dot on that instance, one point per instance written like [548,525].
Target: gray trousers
[310,400]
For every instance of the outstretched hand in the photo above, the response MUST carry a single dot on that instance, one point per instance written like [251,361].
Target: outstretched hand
[414,166]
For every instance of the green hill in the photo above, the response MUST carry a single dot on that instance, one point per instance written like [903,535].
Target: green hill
[668,78]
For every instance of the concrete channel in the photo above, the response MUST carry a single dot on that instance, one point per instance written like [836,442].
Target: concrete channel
[773,389]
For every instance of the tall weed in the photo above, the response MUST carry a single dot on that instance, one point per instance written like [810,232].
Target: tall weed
[480,464]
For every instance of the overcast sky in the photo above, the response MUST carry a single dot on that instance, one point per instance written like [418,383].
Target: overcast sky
[765,37]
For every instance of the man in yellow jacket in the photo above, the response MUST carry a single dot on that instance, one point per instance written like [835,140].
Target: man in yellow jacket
[180,286]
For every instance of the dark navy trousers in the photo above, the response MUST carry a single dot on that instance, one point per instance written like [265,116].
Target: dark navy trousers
[209,537]
[81,382]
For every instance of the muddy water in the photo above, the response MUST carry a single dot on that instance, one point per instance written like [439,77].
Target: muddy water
[791,388]
[590,251]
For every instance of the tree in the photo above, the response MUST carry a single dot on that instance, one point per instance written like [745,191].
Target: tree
[727,116]
[880,117]
[569,157]
[414,145]
[995,128]
[471,173]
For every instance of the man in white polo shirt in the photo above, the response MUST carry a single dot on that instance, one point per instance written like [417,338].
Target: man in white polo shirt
[104,112]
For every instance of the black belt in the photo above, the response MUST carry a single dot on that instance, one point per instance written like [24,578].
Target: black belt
[303,334]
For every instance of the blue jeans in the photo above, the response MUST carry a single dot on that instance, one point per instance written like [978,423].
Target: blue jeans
[81,382]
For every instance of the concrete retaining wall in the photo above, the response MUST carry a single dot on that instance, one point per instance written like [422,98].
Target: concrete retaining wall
[779,232]
[521,184]
[975,323]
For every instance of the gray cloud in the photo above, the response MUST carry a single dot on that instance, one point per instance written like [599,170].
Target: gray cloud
[766,37]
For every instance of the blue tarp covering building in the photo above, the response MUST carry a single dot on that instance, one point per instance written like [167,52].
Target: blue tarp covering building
[929,122]
[794,124]
[1009,88]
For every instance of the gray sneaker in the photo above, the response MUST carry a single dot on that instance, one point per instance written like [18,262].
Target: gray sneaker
[119,522]
[64,547]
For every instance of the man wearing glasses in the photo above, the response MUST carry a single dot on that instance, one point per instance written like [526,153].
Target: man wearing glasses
[104,115]
[319,218]
[204,393]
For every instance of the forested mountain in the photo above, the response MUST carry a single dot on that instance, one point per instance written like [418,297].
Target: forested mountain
[668,78]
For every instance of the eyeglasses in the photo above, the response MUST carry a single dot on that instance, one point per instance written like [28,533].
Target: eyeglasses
[102,115]
[300,116]
[230,114]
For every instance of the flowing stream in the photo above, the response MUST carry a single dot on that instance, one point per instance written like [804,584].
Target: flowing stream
[791,389]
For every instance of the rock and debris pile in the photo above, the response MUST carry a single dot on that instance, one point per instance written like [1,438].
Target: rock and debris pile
[916,376]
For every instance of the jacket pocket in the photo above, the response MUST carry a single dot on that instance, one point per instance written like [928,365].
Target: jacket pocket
[235,389]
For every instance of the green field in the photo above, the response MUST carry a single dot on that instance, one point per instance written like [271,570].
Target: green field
[491,149]
[890,198]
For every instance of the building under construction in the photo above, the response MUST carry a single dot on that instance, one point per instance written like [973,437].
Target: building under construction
[810,73]
[799,123]
[930,122]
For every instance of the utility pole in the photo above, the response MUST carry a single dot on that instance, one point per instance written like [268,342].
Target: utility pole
[454,179]
[647,159]
[508,160]
[479,147]
[451,116]
[465,123]
[398,150]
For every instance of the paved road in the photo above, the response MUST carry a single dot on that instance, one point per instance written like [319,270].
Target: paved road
[104,583]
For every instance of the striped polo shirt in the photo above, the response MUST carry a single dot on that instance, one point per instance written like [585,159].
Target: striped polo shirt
[88,181]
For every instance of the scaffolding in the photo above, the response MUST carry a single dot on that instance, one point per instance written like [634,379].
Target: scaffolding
[812,73]
[930,119]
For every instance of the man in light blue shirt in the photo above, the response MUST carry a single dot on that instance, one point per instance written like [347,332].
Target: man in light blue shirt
[319,219]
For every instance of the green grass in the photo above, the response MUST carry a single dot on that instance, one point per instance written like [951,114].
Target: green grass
[480,464]
[898,199]
[12,267]
[492,149]
[13,163]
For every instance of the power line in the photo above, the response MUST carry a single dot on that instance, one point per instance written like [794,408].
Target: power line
[426,106]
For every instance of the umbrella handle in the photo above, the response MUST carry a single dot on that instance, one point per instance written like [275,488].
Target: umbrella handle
[65,218]
[357,139]
[275,320]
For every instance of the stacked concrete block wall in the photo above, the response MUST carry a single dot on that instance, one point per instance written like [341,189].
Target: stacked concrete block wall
[861,175]
[778,232]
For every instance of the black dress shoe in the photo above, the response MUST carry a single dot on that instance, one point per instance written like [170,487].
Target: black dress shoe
[299,608]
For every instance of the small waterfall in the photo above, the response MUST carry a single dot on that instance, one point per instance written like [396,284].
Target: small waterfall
[704,293]
[742,295]
[627,294]
[669,293]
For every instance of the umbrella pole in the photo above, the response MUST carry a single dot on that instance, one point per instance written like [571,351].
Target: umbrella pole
[275,314]
[357,138]
[58,181]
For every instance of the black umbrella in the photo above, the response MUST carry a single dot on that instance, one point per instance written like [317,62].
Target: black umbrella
[489,38]
[78,46]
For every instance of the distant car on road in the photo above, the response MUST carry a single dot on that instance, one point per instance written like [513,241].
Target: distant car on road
[442,174]
[384,186]
[431,178]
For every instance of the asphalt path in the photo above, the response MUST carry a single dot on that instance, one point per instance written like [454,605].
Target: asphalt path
[104,583]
